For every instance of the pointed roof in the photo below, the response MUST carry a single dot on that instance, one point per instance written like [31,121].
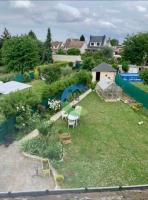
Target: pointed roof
[104,67]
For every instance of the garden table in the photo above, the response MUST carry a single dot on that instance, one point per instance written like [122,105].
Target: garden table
[73,117]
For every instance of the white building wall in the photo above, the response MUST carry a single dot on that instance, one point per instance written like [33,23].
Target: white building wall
[109,75]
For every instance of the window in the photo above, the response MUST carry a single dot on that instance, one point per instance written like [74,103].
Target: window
[92,43]
[98,44]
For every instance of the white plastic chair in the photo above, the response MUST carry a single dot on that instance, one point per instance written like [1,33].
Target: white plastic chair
[71,123]
[64,114]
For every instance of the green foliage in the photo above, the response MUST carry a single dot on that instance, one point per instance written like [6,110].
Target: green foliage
[51,73]
[88,63]
[45,147]
[73,51]
[92,59]
[46,128]
[35,95]
[26,77]
[66,71]
[144,76]
[7,77]
[20,53]
[82,38]
[114,42]
[115,66]
[32,35]
[61,52]
[36,74]
[47,54]
[135,49]
[125,66]
[107,52]
[26,120]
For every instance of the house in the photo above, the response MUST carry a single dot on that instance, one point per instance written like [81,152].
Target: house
[75,43]
[98,42]
[55,46]
[103,72]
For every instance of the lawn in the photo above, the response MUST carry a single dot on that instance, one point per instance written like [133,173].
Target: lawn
[108,146]
[141,86]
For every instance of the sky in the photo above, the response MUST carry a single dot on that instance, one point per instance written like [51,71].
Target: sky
[70,19]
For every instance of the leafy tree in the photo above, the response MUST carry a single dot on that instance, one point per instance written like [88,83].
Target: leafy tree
[51,73]
[135,49]
[20,53]
[114,42]
[47,54]
[88,63]
[61,52]
[125,66]
[32,35]
[144,76]
[82,38]
[107,52]
[73,51]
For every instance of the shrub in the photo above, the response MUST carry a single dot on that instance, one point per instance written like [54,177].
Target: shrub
[51,73]
[66,71]
[137,106]
[26,77]
[144,76]
[54,105]
[7,77]
[41,110]
[73,51]
[46,128]
[52,149]
[88,63]
[36,74]
[60,179]
[26,120]
[93,85]
[125,66]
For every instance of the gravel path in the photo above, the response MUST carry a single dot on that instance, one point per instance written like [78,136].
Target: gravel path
[18,173]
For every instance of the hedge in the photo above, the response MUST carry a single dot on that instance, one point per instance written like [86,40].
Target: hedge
[33,97]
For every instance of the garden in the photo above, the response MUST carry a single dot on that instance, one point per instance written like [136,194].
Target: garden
[108,147]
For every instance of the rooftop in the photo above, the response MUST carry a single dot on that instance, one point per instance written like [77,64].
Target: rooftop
[74,43]
[104,67]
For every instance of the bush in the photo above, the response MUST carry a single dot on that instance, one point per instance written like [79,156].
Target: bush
[137,106]
[60,179]
[26,77]
[125,66]
[51,73]
[26,120]
[41,146]
[33,97]
[46,128]
[66,71]
[36,74]
[73,51]
[88,63]
[144,76]
[7,77]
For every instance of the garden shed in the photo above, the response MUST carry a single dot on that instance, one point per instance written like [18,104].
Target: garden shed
[103,71]
[12,86]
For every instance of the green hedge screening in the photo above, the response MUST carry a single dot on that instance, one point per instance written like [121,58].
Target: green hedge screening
[33,97]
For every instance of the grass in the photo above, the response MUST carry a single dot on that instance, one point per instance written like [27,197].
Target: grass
[108,146]
[142,86]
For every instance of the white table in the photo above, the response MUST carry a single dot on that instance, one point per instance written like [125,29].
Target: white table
[73,118]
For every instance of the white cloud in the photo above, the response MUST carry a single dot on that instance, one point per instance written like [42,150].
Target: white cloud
[106,24]
[141,8]
[21,4]
[67,12]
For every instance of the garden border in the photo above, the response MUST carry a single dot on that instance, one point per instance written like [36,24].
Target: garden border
[74,191]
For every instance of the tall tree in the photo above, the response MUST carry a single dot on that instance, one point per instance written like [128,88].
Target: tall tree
[4,36]
[82,38]
[32,35]
[20,53]
[135,49]
[47,54]
[114,42]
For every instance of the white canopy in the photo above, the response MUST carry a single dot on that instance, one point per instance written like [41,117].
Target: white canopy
[12,86]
